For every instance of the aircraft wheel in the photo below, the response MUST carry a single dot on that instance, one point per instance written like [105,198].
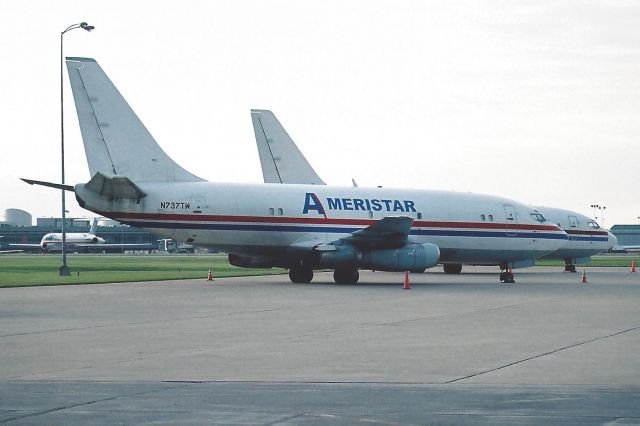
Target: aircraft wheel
[452,268]
[346,276]
[301,275]
[507,278]
[569,268]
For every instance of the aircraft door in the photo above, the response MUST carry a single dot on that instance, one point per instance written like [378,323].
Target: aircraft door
[512,220]
[573,223]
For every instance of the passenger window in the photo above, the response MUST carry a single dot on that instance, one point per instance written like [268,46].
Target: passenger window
[490,218]
[482,217]
[280,212]
[271,211]
[371,214]
[419,215]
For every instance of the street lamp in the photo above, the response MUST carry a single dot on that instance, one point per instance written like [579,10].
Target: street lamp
[600,210]
[64,270]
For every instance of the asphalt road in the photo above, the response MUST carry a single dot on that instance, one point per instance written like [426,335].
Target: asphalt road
[454,349]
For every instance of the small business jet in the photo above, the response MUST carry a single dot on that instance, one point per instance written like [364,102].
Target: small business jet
[299,227]
[282,162]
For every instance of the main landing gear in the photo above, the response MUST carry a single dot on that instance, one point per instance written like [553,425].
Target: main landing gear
[452,268]
[569,267]
[506,276]
[301,274]
[346,276]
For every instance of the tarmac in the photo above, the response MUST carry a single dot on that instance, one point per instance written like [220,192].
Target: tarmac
[454,349]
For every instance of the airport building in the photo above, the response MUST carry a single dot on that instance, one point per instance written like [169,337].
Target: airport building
[627,235]
[113,233]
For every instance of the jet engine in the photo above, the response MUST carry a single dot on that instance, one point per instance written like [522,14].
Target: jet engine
[410,257]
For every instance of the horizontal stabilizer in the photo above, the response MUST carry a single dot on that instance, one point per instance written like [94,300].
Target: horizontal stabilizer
[49,184]
[115,187]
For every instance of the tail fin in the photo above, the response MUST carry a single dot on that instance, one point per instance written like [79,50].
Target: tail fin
[94,226]
[280,158]
[115,140]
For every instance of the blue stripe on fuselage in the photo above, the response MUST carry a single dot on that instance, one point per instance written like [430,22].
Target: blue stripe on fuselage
[338,230]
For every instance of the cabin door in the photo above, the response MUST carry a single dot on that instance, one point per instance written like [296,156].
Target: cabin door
[511,220]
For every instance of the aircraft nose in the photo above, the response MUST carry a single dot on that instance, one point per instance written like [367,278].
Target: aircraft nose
[613,241]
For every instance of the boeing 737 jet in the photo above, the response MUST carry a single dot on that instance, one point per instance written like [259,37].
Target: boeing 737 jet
[299,227]
[586,237]
[282,162]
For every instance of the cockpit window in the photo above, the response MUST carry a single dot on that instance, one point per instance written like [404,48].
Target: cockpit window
[538,217]
[592,224]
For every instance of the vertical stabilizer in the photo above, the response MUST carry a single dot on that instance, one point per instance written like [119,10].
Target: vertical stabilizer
[115,140]
[280,158]
[94,226]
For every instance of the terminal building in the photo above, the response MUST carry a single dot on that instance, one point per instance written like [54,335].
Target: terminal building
[627,235]
[17,228]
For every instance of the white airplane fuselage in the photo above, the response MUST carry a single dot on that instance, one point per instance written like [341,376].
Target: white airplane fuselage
[277,220]
[586,237]
[53,240]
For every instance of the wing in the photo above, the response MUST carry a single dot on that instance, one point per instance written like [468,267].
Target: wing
[389,232]
[280,158]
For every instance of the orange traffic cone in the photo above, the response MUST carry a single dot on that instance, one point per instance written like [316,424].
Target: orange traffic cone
[633,265]
[584,277]
[210,276]
[406,281]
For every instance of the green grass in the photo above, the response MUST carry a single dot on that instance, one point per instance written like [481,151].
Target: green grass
[18,270]
[596,261]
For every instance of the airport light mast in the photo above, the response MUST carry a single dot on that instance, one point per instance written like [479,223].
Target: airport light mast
[64,269]
[600,211]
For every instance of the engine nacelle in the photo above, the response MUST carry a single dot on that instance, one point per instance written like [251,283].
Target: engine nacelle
[411,257]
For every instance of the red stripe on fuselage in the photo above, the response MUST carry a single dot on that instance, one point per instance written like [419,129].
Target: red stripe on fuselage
[319,221]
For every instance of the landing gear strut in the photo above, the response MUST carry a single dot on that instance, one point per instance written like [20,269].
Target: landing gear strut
[301,274]
[346,276]
[506,277]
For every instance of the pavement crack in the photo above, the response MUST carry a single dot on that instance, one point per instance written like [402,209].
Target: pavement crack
[543,354]
[81,404]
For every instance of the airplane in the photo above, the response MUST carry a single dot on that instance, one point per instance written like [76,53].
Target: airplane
[282,162]
[300,227]
[625,249]
[52,241]
[586,237]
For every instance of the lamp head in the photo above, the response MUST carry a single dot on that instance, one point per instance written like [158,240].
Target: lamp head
[86,26]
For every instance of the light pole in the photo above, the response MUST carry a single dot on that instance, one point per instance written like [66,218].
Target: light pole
[600,210]
[64,269]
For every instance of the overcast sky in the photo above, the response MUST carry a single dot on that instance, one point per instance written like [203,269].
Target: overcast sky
[535,101]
